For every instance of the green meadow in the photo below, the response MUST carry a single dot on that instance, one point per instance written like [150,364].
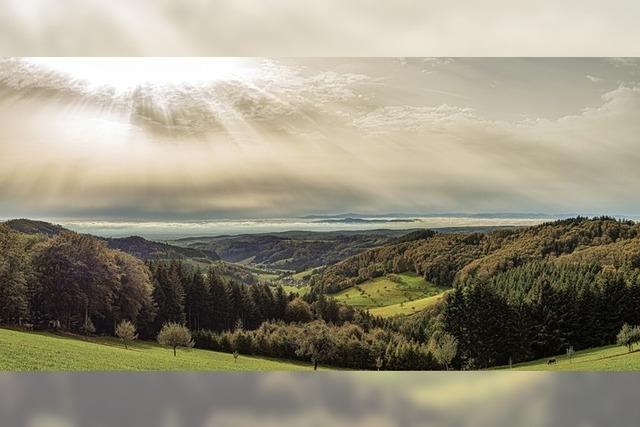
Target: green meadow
[607,358]
[392,294]
[407,308]
[43,351]
[300,290]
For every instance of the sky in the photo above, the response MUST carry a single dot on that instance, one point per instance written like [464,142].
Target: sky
[321,28]
[206,138]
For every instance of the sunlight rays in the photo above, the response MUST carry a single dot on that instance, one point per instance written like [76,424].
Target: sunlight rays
[125,74]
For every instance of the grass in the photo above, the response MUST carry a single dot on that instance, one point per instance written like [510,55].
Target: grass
[392,289]
[407,308]
[267,277]
[300,290]
[608,358]
[43,351]
[303,275]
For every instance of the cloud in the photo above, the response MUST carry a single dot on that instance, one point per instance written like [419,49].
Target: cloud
[311,137]
[403,118]
[277,98]
[320,29]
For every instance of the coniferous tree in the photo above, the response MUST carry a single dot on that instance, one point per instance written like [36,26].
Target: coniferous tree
[220,311]
[196,301]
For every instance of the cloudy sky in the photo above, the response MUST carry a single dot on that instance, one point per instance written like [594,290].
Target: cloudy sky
[197,138]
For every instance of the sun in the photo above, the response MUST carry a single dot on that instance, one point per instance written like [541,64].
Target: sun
[125,74]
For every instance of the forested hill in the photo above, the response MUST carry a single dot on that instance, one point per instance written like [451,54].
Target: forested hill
[30,226]
[301,250]
[445,259]
[133,245]
[295,250]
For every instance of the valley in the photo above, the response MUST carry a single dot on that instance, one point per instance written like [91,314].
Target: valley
[390,299]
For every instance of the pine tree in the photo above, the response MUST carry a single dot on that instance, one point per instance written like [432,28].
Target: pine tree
[219,307]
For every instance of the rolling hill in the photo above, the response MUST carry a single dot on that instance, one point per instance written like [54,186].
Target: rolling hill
[147,249]
[387,290]
[303,250]
[294,251]
[449,258]
[43,351]
[133,245]
[408,308]
[30,226]
[607,358]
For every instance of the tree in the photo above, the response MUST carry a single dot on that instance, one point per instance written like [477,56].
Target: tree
[570,353]
[126,331]
[15,272]
[135,290]
[317,343]
[443,347]
[281,302]
[379,362]
[628,336]
[298,311]
[171,280]
[175,335]
[78,279]
[218,307]
[196,299]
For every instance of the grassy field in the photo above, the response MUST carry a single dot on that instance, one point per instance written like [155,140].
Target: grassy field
[42,351]
[392,289]
[301,276]
[267,277]
[608,358]
[407,308]
[300,290]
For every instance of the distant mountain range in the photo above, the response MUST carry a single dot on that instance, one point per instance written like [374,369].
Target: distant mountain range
[302,250]
[396,215]
[350,220]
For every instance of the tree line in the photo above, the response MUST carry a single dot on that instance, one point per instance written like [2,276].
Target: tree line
[569,285]
[540,309]
[449,258]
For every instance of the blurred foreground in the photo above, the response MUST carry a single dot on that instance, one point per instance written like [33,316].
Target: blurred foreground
[338,399]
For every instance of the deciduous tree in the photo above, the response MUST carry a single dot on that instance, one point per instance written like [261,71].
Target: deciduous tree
[175,335]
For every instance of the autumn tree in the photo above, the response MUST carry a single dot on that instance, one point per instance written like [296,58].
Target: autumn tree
[298,311]
[78,278]
[135,289]
[316,343]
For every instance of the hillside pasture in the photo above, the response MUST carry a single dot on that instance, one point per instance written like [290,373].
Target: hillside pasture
[407,308]
[388,290]
[607,358]
[44,351]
